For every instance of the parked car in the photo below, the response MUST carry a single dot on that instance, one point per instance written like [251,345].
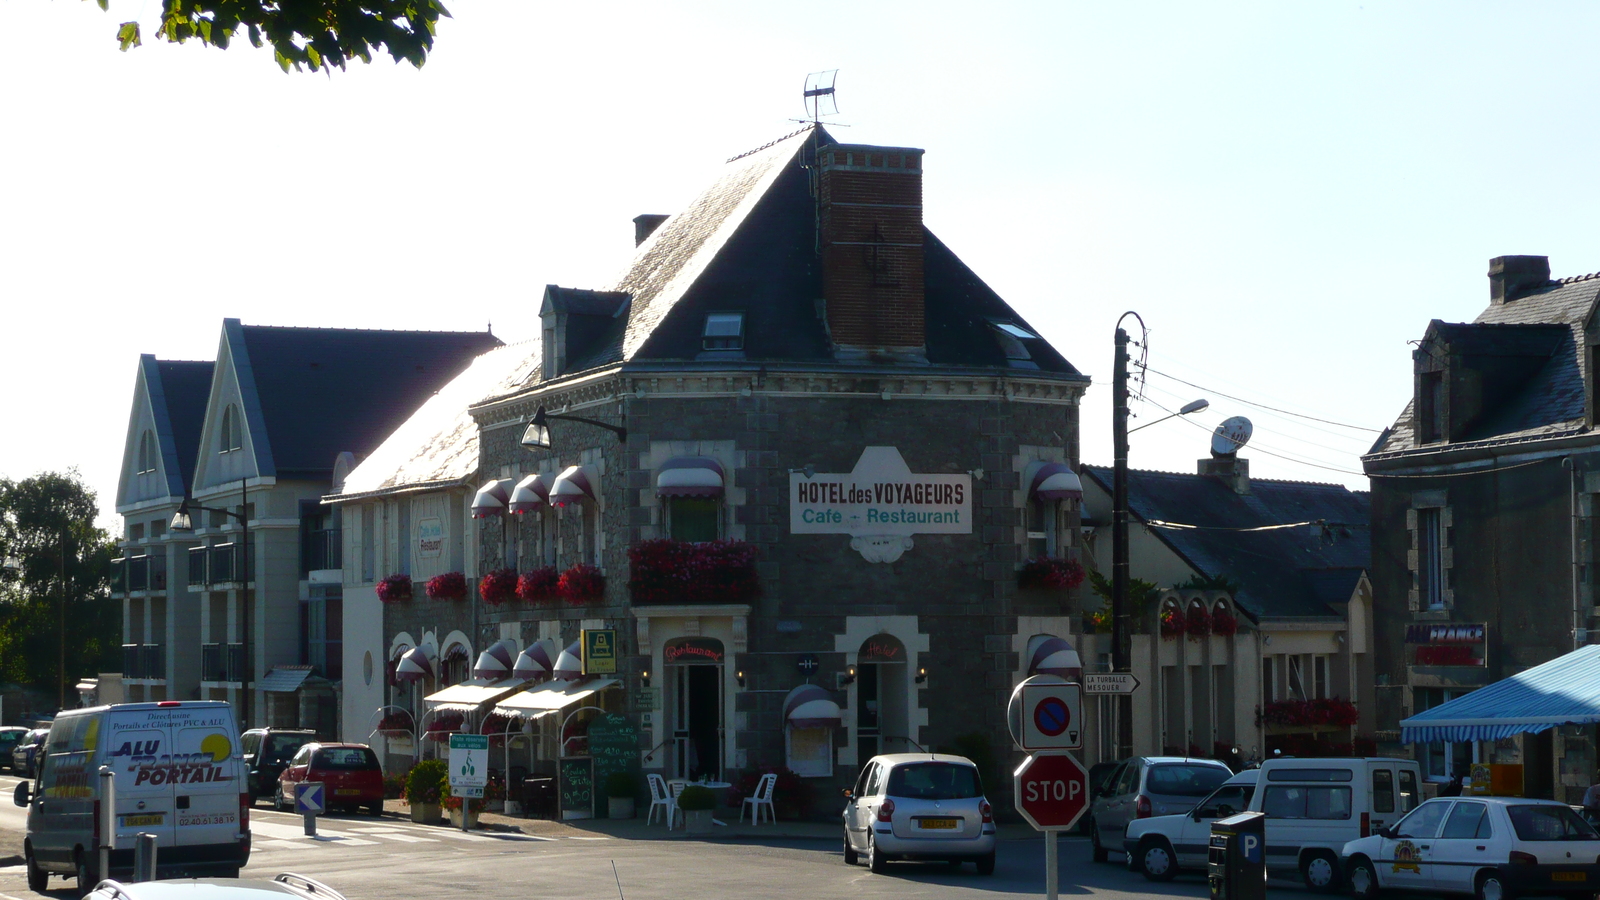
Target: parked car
[1489,847]
[287,886]
[1315,806]
[351,776]
[266,752]
[10,736]
[1162,846]
[1146,786]
[919,806]
[26,751]
[1099,775]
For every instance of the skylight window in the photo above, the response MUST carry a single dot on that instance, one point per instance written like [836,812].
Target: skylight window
[1016,331]
[724,331]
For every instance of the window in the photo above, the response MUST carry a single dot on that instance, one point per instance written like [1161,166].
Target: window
[147,454]
[369,543]
[1430,558]
[934,781]
[1549,823]
[1269,689]
[1306,802]
[231,438]
[1408,790]
[724,331]
[1430,408]
[1467,820]
[693,519]
[1423,822]
[1319,677]
[1043,521]
[1441,760]
[1297,683]
[1382,791]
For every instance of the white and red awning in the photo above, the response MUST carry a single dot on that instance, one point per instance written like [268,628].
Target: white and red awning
[690,476]
[494,664]
[537,661]
[575,484]
[492,499]
[416,664]
[1050,655]
[531,493]
[811,706]
[569,665]
[1056,481]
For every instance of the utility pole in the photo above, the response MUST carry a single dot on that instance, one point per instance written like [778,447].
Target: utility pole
[61,633]
[1121,619]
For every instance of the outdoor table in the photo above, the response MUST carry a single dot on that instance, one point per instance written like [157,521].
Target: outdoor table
[678,784]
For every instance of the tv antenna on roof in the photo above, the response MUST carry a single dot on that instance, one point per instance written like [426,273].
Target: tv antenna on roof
[820,98]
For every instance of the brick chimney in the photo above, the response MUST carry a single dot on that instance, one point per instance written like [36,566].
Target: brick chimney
[1511,277]
[646,225]
[870,201]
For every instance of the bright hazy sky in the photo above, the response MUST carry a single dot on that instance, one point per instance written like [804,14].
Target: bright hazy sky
[1287,193]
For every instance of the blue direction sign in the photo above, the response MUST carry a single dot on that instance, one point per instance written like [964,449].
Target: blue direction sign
[309,798]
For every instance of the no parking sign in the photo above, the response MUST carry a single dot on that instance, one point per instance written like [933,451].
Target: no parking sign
[1046,714]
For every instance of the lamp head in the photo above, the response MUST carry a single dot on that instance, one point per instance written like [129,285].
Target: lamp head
[740,677]
[922,675]
[180,519]
[644,678]
[537,435]
[1194,406]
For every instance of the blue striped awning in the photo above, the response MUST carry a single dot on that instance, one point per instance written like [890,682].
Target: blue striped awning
[1563,691]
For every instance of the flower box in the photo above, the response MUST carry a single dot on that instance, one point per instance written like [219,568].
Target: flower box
[668,571]
[498,586]
[1198,623]
[394,588]
[449,586]
[1328,711]
[1172,624]
[1223,622]
[582,584]
[1048,573]
[541,585]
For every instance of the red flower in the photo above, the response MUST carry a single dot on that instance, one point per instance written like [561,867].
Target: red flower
[498,586]
[449,586]
[1199,622]
[540,585]
[1172,623]
[1326,711]
[582,584]
[1223,622]
[1050,574]
[668,571]
[394,588]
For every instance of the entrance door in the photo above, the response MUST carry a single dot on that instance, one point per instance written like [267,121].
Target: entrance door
[882,721]
[695,670]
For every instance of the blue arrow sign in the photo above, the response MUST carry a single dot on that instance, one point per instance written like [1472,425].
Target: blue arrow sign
[308,798]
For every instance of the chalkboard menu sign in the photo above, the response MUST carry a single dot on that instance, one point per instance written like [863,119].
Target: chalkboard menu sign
[577,787]
[614,747]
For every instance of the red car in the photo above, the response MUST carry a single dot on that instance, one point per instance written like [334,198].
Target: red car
[350,775]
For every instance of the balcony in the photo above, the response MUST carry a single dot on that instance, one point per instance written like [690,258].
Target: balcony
[139,573]
[676,573]
[215,565]
[221,662]
[144,661]
[321,549]
[119,576]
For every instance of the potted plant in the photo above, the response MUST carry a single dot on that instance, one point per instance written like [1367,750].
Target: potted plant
[394,588]
[498,586]
[582,584]
[540,585]
[621,789]
[697,803]
[1198,622]
[423,785]
[457,807]
[449,586]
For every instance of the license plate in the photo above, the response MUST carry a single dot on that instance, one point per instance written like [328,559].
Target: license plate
[1569,876]
[347,792]
[137,821]
[942,824]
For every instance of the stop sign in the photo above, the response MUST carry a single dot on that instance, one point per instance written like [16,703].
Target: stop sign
[1052,790]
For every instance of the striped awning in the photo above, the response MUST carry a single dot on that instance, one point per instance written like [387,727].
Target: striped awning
[1050,655]
[569,665]
[537,661]
[573,485]
[811,706]
[416,664]
[1563,691]
[494,664]
[530,493]
[1056,481]
[492,498]
[689,476]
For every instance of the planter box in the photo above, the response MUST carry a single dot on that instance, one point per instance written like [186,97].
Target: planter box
[455,818]
[619,807]
[425,813]
[513,808]
[697,821]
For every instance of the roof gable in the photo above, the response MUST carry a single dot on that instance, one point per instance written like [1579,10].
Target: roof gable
[168,405]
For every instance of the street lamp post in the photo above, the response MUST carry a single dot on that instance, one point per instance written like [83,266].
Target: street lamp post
[182,522]
[61,622]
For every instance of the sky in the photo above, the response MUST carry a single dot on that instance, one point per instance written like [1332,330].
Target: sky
[1285,193]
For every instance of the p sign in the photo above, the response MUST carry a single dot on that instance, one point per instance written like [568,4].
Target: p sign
[1250,846]
[1046,713]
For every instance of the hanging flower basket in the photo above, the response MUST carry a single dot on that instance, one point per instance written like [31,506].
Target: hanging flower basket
[440,727]
[394,588]
[395,721]
[449,586]
[668,571]
[1172,624]
[541,585]
[498,586]
[496,725]
[1327,711]
[1223,622]
[1199,623]
[582,584]
[1048,573]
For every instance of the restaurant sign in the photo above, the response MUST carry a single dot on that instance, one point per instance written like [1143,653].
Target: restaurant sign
[430,537]
[880,503]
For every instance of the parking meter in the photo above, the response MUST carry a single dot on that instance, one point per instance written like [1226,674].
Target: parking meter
[1236,865]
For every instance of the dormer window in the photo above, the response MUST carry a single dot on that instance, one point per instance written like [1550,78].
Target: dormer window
[147,453]
[1430,408]
[1010,337]
[724,331]
[231,438]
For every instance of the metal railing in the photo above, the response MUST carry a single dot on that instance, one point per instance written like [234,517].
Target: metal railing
[216,564]
[323,549]
[144,661]
[221,662]
[139,573]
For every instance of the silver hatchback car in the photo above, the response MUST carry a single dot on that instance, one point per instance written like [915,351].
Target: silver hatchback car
[919,806]
[1148,786]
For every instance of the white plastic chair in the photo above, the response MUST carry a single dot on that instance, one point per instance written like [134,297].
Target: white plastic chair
[662,799]
[762,797]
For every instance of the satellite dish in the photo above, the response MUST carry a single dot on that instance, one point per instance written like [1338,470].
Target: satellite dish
[1232,434]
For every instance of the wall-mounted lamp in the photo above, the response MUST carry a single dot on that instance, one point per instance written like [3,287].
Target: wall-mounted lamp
[922,675]
[1339,638]
[977,474]
[1267,640]
[807,470]
[644,678]
[849,676]
[739,677]
[537,435]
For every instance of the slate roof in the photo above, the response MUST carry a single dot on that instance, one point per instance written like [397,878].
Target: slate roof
[321,391]
[1287,572]
[1548,404]
[185,387]
[749,243]
[438,444]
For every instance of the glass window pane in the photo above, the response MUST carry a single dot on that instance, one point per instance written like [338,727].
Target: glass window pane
[693,519]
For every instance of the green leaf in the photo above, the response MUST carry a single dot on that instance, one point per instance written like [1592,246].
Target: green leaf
[105,5]
[128,35]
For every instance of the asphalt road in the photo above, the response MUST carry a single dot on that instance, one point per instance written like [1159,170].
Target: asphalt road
[392,859]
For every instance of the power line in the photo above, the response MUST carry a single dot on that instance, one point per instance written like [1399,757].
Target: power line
[1260,448]
[1262,405]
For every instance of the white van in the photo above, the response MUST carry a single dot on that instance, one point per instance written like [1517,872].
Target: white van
[177,775]
[1315,806]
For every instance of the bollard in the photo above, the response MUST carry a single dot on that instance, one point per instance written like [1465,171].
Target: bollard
[311,825]
[144,857]
[108,820]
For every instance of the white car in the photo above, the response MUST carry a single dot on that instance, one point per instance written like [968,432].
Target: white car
[1161,846]
[1491,847]
[919,806]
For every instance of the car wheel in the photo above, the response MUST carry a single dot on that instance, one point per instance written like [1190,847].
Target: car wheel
[1155,858]
[986,864]
[1363,880]
[277,797]
[375,808]
[850,857]
[38,879]
[1489,886]
[1100,853]
[1320,871]
[874,858]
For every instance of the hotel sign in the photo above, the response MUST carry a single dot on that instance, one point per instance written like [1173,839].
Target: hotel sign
[880,503]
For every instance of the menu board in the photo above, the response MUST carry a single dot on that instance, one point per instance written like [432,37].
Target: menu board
[576,787]
[614,747]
